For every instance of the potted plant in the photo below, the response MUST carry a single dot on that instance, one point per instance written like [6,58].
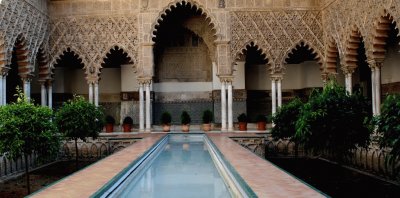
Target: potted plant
[242,118]
[261,122]
[185,120]
[127,124]
[166,121]
[208,117]
[110,121]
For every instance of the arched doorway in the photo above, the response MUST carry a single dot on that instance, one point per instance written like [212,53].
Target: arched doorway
[115,64]
[302,73]
[69,77]
[257,81]
[184,77]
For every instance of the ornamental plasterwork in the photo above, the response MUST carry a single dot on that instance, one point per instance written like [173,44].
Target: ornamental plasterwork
[343,17]
[276,33]
[92,37]
[27,19]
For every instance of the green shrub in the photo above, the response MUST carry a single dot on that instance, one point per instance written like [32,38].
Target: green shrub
[388,124]
[242,117]
[185,118]
[333,120]
[110,120]
[166,118]
[285,119]
[127,120]
[207,117]
[26,128]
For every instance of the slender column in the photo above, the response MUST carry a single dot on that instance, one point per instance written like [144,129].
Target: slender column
[279,87]
[4,90]
[223,106]
[377,90]
[27,88]
[96,94]
[349,83]
[373,90]
[230,104]
[91,93]
[148,127]
[141,107]
[50,94]
[43,94]
[1,90]
[273,90]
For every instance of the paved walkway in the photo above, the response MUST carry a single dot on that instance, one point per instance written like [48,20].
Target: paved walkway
[262,176]
[89,180]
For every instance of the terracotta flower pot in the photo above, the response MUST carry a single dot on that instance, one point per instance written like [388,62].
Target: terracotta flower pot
[127,127]
[261,126]
[166,128]
[207,127]
[185,127]
[242,126]
[109,128]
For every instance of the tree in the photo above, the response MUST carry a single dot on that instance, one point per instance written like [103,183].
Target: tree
[388,124]
[26,129]
[334,120]
[285,119]
[79,119]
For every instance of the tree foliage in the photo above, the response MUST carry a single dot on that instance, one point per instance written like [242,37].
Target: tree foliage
[285,119]
[388,124]
[334,120]
[79,119]
[25,127]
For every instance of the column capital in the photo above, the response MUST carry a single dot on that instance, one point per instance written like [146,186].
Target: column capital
[145,80]
[348,69]
[92,79]
[4,70]
[226,78]
[277,76]
[375,63]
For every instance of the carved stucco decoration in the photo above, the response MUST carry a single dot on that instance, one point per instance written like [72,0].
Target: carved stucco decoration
[276,33]
[92,37]
[22,19]
[345,21]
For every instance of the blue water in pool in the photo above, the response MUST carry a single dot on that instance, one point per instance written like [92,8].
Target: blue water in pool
[184,168]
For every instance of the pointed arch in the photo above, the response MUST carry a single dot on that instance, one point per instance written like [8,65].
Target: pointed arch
[380,35]
[212,22]
[116,47]
[71,52]
[57,55]
[21,50]
[241,54]
[332,54]
[45,72]
[351,50]
[302,43]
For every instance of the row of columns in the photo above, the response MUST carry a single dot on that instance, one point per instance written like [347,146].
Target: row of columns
[375,84]
[144,104]
[46,93]
[226,103]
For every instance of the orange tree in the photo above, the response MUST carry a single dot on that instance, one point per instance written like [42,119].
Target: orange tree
[27,129]
[79,119]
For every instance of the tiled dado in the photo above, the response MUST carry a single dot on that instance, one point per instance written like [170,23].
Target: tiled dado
[265,179]
[89,180]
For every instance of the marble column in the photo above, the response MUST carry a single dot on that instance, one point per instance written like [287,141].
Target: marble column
[273,92]
[223,106]
[91,92]
[279,90]
[1,90]
[373,90]
[43,94]
[148,126]
[50,94]
[27,88]
[349,83]
[96,94]
[141,107]
[378,89]
[230,106]
[4,90]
